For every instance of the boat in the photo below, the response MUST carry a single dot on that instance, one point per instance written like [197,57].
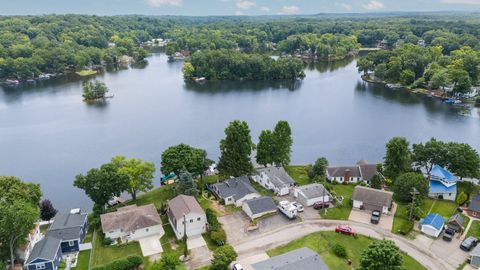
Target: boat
[394,86]
[12,82]
[452,101]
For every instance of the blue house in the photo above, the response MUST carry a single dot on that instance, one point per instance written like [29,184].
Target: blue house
[46,254]
[443,184]
[70,228]
[432,225]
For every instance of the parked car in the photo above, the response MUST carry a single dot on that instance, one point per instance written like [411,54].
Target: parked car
[237,266]
[375,219]
[321,205]
[345,229]
[448,234]
[469,243]
[299,206]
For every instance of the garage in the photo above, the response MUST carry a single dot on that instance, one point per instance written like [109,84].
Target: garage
[365,198]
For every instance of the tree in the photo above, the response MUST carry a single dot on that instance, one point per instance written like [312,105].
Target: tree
[376,181]
[235,150]
[382,255]
[398,157]
[282,141]
[320,168]
[169,261]
[265,148]
[103,183]
[176,157]
[407,77]
[139,172]
[47,211]
[94,90]
[431,153]
[222,257]
[461,198]
[405,183]
[186,185]
[13,189]
[188,70]
[463,160]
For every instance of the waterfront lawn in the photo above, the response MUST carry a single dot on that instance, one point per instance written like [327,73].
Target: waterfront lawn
[322,243]
[444,208]
[299,174]
[340,211]
[158,196]
[103,254]
[474,229]
[83,258]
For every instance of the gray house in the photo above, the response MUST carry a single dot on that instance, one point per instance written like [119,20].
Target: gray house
[258,207]
[275,179]
[372,199]
[234,190]
[312,193]
[361,172]
[70,228]
[475,257]
[46,254]
[303,258]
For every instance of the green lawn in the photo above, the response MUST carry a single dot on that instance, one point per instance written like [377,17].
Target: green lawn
[43,228]
[156,196]
[466,220]
[474,229]
[340,211]
[103,255]
[299,174]
[444,208]
[83,258]
[322,243]
[401,224]
[261,190]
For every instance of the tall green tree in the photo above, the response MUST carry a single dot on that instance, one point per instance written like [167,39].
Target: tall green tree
[398,158]
[463,160]
[376,181]
[319,169]
[265,148]
[223,257]
[94,90]
[382,255]
[235,150]
[282,140]
[405,183]
[139,172]
[431,153]
[186,185]
[193,159]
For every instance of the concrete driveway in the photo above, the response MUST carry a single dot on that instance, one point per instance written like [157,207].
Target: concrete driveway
[449,251]
[363,216]
[196,242]
[150,245]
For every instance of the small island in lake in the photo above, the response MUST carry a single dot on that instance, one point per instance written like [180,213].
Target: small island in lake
[94,90]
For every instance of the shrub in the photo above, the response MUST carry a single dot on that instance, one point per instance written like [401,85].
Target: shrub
[120,264]
[223,257]
[219,237]
[135,260]
[107,241]
[212,219]
[339,250]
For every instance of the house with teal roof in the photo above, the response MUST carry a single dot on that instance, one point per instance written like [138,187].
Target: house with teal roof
[442,184]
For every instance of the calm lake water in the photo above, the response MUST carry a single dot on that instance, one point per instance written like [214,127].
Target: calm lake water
[48,134]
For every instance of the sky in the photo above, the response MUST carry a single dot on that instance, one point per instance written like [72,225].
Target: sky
[228,7]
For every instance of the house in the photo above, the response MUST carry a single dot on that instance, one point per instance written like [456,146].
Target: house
[432,225]
[372,199]
[442,184]
[275,179]
[32,238]
[312,193]
[361,172]
[46,254]
[71,228]
[234,190]
[132,222]
[456,222]
[186,215]
[258,207]
[303,258]
[475,257]
[474,206]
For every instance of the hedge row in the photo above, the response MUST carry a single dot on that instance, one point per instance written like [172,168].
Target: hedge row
[128,263]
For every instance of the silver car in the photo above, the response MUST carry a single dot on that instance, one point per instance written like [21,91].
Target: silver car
[299,206]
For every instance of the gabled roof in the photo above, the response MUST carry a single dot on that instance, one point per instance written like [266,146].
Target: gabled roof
[457,218]
[368,171]
[183,205]
[313,190]
[440,187]
[67,226]
[131,218]
[438,173]
[47,249]
[278,176]
[300,259]
[342,170]
[372,196]
[434,220]
[237,187]
[475,203]
[261,205]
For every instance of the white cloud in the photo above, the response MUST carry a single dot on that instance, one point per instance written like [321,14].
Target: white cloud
[265,9]
[245,4]
[346,6]
[158,3]
[374,5]
[462,2]
[289,10]
[239,13]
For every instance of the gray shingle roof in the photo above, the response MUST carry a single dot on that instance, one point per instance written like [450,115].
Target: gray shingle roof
[372,196]
[67,226]
[183,205]
[476,251]
[341,170]
[368,171]
[131,218]
[65,234]
[457,218]
[261,205]
[475,203]
[237,187]
[278,176]
[46,248]
[300,259]
[313,190]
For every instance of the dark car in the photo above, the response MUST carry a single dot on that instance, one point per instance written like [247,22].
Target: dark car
[469,243]
[375,217]
[321,205]
[448,234]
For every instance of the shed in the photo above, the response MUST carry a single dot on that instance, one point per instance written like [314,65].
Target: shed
[310,194]
[258,207]
[456,222]
[432,225]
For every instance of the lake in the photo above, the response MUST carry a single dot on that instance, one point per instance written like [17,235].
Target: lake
[49,135]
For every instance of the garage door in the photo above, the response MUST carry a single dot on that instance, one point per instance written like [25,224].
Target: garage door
[371,207]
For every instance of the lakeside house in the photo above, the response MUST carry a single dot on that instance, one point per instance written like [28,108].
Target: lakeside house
[234,190]
[361,172]
[366,198]
[442,184]
[259,207]
[473,209]
[186,216]
[312,193]
[432,225]
[46,254]
[24,250]
[303,258]
[70,228]
[132,223]
[275,179]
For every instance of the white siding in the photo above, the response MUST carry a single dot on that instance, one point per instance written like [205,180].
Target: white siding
[250,196]
[431,231]
[282,191]
[357,204]
[229,200]
[446,196]
[115,234]
[196,225]
[141,233]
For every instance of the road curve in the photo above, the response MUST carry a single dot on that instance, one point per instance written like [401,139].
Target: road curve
[255,244]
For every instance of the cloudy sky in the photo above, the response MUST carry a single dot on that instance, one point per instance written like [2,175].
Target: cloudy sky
[228,7]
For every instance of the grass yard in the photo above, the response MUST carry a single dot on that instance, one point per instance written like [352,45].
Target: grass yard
[261,190]
[83,258]
[340,211]
[474,229]
[156,196]
[444,208]
[299,174]
[103,255]
[322,243]
[466,220]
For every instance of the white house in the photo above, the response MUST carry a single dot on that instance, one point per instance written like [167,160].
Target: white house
[275,179]
[32,238]
[258,207]
[361,172]
[432,225]
[372,199]
[312,193]
[132,223]
[234,190]
[186,215]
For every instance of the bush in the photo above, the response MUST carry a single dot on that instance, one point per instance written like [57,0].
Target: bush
[219,237]
[107,241]
[135,260]
[120,264]
[169,261]
[223,257]
[212,220]
[339,250]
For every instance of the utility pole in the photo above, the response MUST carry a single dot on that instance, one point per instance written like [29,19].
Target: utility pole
[414,193]
[185,252]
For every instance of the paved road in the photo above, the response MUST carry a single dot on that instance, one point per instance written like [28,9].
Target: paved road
[251,246]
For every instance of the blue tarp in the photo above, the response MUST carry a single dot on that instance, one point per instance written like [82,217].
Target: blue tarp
[434,220]
[439,173]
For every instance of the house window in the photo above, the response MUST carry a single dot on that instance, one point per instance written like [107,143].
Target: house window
[71,243]
[229,199]
[198,219]
[146,229]
[191,220]
[40,266]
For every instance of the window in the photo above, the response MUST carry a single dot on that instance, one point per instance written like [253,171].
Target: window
[198,219]
[191,220]
[40,266]
[146,229]
[229,199]
[71,243]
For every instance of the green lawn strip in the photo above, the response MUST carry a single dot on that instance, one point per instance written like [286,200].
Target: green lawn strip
[466,220]
[210,244]
[43,228]
[444,208]
[400,220]
[105,254]
[322,243]
[89,236]
[158,196]
[83,258]
[474,229]
[340,211]
[299,174]
[261,190]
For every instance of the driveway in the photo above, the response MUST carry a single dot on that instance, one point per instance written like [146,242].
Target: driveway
[449,251]
[196,242]
[308,213]
[199,257]
[150,245]
[363,216]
